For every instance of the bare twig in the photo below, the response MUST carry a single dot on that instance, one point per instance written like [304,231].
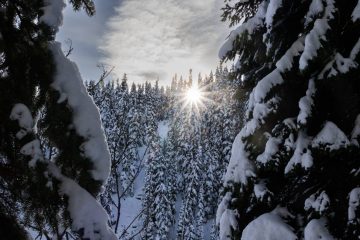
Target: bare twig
[140,231]
[106,71]
[127,228]
[68,42]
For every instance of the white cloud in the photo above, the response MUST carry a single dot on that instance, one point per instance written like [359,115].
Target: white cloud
[146,38]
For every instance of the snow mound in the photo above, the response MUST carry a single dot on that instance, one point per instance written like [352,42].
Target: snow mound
[316,230]
[86,117]
[331,137]
[268,226]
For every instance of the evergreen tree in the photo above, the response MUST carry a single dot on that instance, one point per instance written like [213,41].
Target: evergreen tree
[191,165]
[164,196]
[153,185]
[294,165]
[37,78]
[131,162]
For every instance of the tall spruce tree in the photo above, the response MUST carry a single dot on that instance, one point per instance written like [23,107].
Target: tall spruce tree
[36,77]
[294,169]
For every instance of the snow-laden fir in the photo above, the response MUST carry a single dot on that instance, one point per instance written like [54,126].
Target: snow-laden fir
[298,66]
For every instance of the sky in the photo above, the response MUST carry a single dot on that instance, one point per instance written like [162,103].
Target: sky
[146,39]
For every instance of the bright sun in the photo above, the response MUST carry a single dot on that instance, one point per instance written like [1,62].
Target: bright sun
[193,95]
[194,98]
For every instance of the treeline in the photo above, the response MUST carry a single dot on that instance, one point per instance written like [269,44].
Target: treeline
[187,166]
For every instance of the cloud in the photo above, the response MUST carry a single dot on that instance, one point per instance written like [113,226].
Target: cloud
[84,31]
[158,38]
[151,75]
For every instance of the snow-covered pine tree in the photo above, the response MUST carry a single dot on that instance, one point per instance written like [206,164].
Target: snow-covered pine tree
[188,228]
[131,158]
[164,195]
[154,191]
[36,76]
[191,165]
[294,169]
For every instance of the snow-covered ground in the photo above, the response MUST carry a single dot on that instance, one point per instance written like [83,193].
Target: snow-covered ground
[131,205]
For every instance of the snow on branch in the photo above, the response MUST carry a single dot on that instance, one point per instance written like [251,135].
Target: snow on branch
[355,134]
[316,229]
[331,137]
[249,26]
[86,214]
[53,16]
[257,104]
[240,168]
[271,149]
[355,51]
[33,150]
[223,206]
[272,8]
[225,218]
[306,103]
[316,8]
[302,154]
[340,64]
[286,62]
[227,222]
[272,226]
[86,117]
[354,204]
[22,114]
[319,202]
[356,13]
[318,32]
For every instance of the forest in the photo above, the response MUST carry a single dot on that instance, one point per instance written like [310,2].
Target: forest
[264,147]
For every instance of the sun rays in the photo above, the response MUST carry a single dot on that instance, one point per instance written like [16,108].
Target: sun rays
[194,99]
[194,95]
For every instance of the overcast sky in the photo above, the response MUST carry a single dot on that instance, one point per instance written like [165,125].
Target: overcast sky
[147,39]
